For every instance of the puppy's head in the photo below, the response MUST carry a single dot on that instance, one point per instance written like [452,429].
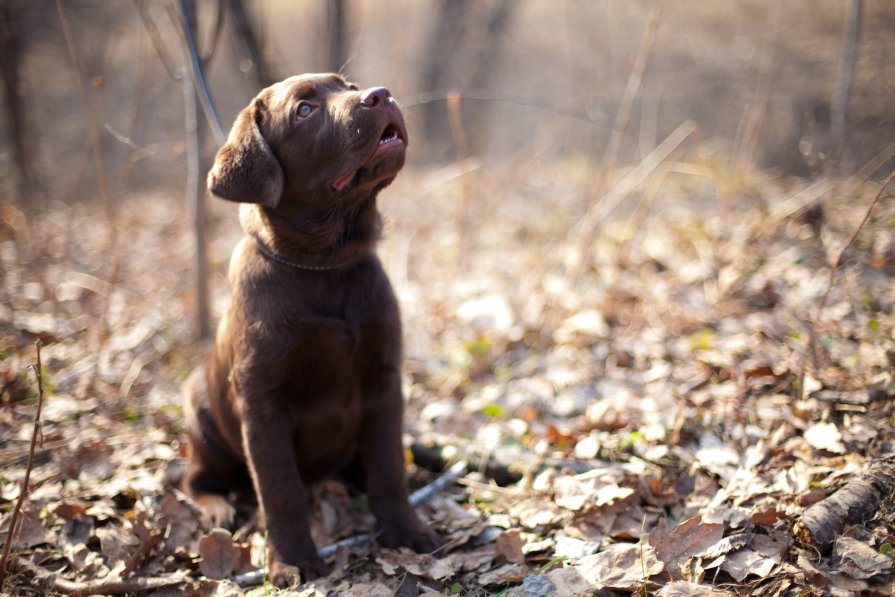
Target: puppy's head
[311,138]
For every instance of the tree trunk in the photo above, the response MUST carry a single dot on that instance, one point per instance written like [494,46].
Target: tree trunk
[247,31]
[196,130]
[337,45]
[486,59]
[845,81]
[451,24]
[16,116]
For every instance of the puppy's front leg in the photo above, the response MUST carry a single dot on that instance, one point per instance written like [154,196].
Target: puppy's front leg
[382,455]
[283,499]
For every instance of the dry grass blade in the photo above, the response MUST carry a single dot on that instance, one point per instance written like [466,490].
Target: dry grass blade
[633,86]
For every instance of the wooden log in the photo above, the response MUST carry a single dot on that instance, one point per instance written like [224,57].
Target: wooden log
[854,503]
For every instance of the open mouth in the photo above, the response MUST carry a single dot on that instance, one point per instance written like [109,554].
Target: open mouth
[389,135]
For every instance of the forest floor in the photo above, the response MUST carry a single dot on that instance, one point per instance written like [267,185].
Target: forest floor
[647,398]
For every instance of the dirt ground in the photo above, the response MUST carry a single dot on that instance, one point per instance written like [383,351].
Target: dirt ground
[646,400]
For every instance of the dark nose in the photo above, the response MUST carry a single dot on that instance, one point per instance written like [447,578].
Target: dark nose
[375,96]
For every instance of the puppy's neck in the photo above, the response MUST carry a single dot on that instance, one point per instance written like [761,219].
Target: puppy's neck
[334,236]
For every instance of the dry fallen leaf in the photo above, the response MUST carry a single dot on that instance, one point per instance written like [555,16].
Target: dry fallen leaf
[860,561]
[117,541]
[508,548]
[220,557]
[688,539]
[181,520]
[30,530]
[394,560]
[825,436]
[621,566]
[508,573]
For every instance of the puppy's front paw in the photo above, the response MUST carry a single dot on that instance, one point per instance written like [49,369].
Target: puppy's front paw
[408,531]
[286,575]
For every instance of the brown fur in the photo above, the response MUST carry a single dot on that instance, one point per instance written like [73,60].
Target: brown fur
[305,378]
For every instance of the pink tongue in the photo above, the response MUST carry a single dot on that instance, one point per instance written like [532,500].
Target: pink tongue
[341,182]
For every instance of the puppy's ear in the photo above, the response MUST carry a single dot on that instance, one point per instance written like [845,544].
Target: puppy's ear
[245,169]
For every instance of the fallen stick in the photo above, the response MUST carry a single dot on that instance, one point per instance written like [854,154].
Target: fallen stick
[50,582]
[420,496]
[505,465]
[854,503]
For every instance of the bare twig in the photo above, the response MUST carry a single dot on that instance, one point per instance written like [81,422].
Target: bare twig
[89,109]
[459,135]
[111,215]
[197,72]
[14,517]
[215,33]
[838,260]
[485,95]
[868,169]
[134,116]
[845,79]
[152,29]
[834,267]
[418,497]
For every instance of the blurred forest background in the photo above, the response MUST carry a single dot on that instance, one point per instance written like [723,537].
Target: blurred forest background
[629,246]
[757,77]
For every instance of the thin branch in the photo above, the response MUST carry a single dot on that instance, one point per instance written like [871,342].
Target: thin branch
[152,29]
[459,135]
[216,33]
[35,432]
[838,261]
[484,95]
[845,79]
[197,75]
[834,267]
[103,330]
[89,108]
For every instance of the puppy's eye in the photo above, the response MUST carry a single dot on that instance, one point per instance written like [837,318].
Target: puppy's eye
[304,110]
[352,87]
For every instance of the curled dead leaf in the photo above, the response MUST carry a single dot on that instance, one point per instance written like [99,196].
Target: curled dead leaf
[220,557]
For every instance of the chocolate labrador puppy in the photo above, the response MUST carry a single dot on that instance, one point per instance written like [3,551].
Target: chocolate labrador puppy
[305,377]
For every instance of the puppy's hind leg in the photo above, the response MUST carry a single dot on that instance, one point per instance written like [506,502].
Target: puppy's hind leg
[212,473]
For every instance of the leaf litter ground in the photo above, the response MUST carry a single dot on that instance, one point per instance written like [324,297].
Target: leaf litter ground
[650,415]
